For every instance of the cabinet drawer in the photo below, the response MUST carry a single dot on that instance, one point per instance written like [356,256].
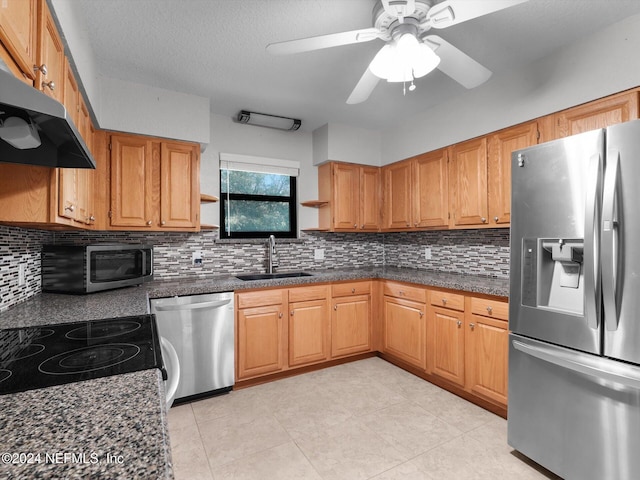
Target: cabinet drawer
[260,298]
[400,290]
[490,308]
[304,294]
[453,301]
[346,289]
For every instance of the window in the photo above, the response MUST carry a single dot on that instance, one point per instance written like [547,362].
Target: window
[256,204]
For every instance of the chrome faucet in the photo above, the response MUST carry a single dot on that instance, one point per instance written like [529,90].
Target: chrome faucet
[272,255]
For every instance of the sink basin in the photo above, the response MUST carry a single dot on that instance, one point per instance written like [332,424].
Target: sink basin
[269,276]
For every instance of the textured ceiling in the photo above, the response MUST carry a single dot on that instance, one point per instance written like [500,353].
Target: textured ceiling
[216,49]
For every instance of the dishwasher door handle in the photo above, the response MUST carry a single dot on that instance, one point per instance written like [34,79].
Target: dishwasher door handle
[192,306]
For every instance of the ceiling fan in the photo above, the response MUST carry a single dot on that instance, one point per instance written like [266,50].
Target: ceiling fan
[410,51]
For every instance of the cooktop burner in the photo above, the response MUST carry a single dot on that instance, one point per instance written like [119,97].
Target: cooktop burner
[36,357]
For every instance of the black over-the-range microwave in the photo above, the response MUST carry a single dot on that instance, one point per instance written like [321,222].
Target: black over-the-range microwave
[91,268]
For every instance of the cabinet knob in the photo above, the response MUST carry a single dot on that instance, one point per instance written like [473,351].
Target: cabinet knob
[353,290]
[149,222]
[280,315]
[415,224]
[421,314]
[355,225]
[459,323]
[472,326]
[71,208]
[162,222]
[335,307]
[495,219]
[483,219]
[51,85]
[444,301]
[92,218]
[292,312]
[489,310]
[40,68]
[408,224]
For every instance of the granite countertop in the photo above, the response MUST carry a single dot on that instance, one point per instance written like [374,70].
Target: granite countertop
[111,427]
[50,308]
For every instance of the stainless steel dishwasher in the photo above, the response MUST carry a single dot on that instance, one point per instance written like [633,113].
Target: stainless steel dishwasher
[200,329]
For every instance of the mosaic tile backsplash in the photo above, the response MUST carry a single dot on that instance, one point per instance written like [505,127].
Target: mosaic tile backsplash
[478,252]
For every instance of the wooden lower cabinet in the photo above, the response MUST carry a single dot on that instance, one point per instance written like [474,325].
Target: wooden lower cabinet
[350,325]
[445,346]
[487,349]
[405,330]
[308,332]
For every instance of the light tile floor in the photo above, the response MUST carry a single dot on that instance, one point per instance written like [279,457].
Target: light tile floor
[362,420]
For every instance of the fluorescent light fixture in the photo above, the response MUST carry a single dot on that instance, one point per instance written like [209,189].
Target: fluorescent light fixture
[269,121]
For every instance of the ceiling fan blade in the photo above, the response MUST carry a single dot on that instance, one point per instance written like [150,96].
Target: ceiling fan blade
[399,8]
[457,64]
[323,41]
[452,12]
[363,89]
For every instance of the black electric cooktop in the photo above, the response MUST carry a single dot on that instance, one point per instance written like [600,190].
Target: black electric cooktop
[36,357]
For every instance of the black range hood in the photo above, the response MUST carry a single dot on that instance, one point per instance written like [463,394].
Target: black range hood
[52,140]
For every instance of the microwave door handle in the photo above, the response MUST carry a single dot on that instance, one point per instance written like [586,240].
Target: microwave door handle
[144,259]
[610,240]
[592,242]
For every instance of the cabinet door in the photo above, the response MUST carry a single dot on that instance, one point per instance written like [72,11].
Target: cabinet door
[487,346]
[430,190]
[308,332]
[446,344]
[131,181]
[18,26]
[179,186]
[370,198]
[501,145]
[261,341]
[468,183]
[598,114]
[346,196]
[405,331]
[68,193]
[397,196]
[50,55]
[350,325]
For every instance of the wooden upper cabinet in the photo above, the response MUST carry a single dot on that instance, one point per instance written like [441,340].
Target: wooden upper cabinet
[346,196]
[353,195]
[397,196]
[369,219]
[179,185]
[50,58]
[598,114]
[71,94]
[18,33]
[501,145]
[430,190]
[468,183]
[132,181]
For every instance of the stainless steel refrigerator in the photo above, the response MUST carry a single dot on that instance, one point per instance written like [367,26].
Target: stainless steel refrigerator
[574,350]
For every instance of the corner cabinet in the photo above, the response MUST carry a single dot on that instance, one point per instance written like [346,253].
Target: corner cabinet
[155,184]
[352,196]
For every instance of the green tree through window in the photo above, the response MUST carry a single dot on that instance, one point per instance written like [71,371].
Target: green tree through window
[257,204]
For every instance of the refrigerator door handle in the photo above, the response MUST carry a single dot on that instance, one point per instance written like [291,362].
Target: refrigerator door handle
[610,253]
[572,361]
[592,242]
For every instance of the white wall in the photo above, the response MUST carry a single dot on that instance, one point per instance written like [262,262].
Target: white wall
[603,63]
[136,108]
[230,137]
[346,143]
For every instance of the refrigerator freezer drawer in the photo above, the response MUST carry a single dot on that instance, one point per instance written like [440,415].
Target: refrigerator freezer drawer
[576,414]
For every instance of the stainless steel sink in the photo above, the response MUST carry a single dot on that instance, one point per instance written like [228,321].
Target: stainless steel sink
[270,276]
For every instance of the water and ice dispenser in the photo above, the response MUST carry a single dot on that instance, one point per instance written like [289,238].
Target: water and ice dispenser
[553,274]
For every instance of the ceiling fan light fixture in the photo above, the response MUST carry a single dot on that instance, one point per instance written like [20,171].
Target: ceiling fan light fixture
[404,60]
